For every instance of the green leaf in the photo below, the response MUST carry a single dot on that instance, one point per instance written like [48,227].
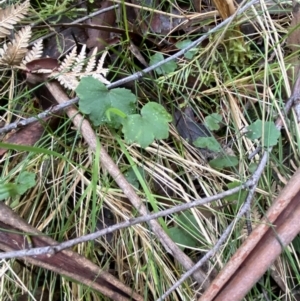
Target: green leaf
[188,221]
[254,130]
[223,162]
[238,196]
[185,43]
[271,134]
[25,181]
[252,167]
[7,190]
[165,68]
[208,142]
[212,121]
[266,129]
[296,243]
[151,124]
[96,100]
[180,236]
[132,178]
[114,111]
[183,234]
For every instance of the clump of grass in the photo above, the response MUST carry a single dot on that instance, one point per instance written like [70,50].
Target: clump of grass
[74,194]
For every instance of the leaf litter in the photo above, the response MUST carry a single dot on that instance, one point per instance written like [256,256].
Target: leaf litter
[199,84]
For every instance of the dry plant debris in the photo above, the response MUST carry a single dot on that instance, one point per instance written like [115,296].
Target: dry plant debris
[16,54]
[11,15]
[225,76]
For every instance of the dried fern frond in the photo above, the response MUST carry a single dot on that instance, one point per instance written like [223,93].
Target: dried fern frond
[10,16]
[68,61]
[255,216]
[79,61]
[92,61]
[33,54]
[13,52]
[72,68]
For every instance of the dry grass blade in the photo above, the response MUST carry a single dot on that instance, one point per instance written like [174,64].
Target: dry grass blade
[75,266]
[13,52]
[261,248]
[10,16]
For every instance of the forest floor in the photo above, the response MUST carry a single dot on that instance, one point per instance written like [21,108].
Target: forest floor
[149,150]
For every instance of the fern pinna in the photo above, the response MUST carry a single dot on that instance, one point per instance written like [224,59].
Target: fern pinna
[15,54]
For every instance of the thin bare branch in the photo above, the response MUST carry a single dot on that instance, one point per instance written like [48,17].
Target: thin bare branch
[140,74]
[46,113]
[226,233]
[128,223]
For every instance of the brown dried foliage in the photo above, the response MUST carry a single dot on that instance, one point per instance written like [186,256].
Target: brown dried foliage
[16,54]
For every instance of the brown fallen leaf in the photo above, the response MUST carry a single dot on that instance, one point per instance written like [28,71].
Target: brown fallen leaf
[98,38]
[187,126]
[45,63]
[30,134]
[136,52]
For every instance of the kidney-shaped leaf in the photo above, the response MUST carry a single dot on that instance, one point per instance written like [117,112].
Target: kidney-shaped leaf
[151,124]
[166,68]
[266,129]
[180,236]
[95,100]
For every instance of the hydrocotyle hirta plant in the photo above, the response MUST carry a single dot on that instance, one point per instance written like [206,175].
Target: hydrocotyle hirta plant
[115,107]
